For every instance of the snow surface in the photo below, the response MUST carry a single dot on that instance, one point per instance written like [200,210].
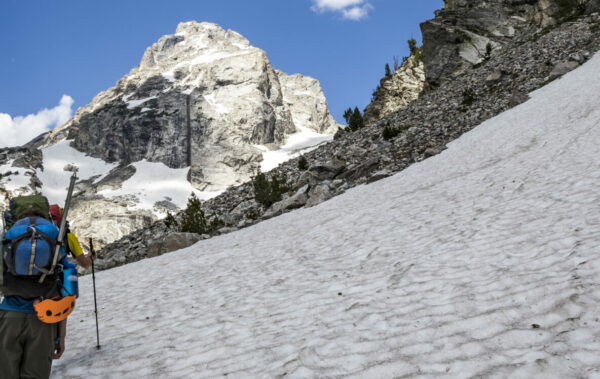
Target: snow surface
[56,181]
[18,178]
[213,55]
[131,104]
[480,261]
[150,183]
[170,76]
[296,144]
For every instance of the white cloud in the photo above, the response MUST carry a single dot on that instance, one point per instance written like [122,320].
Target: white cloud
[21,129]
[357,13]
[349,9]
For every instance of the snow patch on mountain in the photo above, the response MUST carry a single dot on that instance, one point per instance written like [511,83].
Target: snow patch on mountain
[169,75]
[136,103]
[16,178]
[154,182]
[55,179]
[297,144]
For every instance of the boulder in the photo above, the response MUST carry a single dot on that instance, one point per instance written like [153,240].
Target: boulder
[319,172]
[562,68]
[382,174]
[173,241]
[318,194]
[517,97]
[494,76]
[363,170]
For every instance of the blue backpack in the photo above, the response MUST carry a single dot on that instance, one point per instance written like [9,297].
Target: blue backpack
[28,252]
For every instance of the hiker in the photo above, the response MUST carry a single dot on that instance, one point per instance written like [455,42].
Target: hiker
[27,342]
[72,245]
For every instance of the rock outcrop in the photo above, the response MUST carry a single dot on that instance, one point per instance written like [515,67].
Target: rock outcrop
[396,90]
[468,32]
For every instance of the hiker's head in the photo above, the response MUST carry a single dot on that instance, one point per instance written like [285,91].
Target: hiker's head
[32,212]
[56,213]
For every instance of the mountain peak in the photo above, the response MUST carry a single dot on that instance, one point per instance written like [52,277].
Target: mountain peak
[194,27]
[193,43]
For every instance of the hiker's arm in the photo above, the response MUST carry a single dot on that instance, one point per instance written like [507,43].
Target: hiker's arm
[59,348]
[84,260]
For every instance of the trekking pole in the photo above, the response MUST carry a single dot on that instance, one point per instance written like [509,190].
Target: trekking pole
[95,303]
[63,222]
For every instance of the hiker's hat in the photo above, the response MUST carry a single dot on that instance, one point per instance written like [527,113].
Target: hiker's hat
[56,213]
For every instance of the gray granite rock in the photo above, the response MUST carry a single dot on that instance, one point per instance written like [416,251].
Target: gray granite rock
[172,241]
[562,68]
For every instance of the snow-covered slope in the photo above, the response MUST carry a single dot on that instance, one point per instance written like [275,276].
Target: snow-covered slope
[480,261]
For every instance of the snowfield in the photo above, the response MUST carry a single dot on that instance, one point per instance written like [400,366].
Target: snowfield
[154,182]
[55,179]
[301,142]
[481,261]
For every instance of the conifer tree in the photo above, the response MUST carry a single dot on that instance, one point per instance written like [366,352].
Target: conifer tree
[388,72]
[276,189]
[262,189]
[412,45]
[488,51]
[414,50]
[347,115]
[356,120]
[192,218]
[268,192]
[302,163]
[170,220]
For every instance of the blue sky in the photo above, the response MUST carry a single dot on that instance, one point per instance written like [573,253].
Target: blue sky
[51,48]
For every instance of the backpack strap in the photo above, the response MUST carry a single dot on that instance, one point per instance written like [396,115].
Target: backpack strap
[34,235]
[32,221]
[32,255]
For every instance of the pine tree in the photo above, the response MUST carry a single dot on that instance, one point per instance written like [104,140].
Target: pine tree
[276,189]
[192,218]
[347,115]
[356,120]
[170,220]
[268,192]
[302,163]
[414,50]
[262,189]
[388,72]
[488,51]
[412,45]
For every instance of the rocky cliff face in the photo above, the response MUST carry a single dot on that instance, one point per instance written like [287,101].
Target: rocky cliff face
[396,90]
[202,99]
[468,32]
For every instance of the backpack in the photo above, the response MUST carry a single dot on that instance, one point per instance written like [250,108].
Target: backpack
[28,249]
[20,204]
